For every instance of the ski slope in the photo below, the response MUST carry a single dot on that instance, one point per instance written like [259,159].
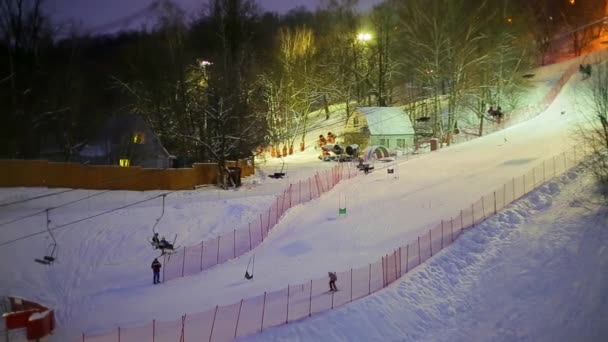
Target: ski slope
[103,277]
[535,272]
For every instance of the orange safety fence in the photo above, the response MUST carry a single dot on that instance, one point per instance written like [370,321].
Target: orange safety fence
[193,259]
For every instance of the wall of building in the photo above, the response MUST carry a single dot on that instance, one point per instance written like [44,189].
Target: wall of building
[392,139]
[41,173]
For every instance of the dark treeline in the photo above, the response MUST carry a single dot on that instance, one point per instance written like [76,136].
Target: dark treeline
[217,85]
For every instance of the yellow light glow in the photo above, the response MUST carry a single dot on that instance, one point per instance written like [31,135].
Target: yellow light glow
[124,162]
[510,20]
[572,2]
[364,37]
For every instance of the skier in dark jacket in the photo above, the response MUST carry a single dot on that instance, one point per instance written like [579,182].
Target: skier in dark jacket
[155,241]
[156,269]
[332,281]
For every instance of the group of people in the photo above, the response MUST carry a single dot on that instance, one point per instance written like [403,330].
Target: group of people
[496,113]
[585,70]
[161,243]
[331,139]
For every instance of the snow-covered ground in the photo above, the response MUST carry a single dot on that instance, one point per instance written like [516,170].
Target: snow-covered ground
[535,272]
[103,278]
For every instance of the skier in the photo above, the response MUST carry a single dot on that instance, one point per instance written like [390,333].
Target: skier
[155,241]
[156,270]
[332,281]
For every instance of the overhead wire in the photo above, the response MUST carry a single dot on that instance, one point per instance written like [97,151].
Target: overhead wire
[53,208]
[83,219]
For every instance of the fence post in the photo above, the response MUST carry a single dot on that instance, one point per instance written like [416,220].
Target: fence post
[419,254]
[473,215]
[250,245]
[202,250]
[495,203]
[441,234]
[310,300]
[483,207]
[407,257]
[290,194]
[83,337]
[262,231]
[451,229]
[153,330]
[351,284]
[238,317]
[431,241]
[287,315]
[309,188]
[263,310]
[383,276]
[218,250]
[184,262]
[400,265]
[396,273]
[513,199]
[565,162]
[369,291]
[118,334]
[461,222]
[213,323]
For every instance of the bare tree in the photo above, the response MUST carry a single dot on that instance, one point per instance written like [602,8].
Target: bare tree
[595,132]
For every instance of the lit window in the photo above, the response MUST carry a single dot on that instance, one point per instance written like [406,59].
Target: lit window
[124,162]
[138,138]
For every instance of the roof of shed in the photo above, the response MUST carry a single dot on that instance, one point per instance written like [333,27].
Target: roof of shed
[387,121]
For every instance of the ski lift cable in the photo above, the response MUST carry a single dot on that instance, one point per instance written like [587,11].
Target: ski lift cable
[161,215]
[82,219]
[53,208]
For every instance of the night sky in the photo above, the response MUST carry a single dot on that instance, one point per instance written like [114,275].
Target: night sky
[94,13]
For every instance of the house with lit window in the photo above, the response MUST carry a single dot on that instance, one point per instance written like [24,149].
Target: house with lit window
[390,127]
[126,140]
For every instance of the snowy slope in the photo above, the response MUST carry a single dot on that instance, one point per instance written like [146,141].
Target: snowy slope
[104,263]
[536,272]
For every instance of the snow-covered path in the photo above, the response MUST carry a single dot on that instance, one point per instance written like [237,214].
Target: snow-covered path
[536,272]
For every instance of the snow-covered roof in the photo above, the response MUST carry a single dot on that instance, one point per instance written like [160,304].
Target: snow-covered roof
[387,120]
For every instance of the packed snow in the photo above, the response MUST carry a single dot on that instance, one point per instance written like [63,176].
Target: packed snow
[102,278]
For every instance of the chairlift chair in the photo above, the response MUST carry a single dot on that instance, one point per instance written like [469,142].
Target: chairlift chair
[49,258]
[278,175]
[247,275]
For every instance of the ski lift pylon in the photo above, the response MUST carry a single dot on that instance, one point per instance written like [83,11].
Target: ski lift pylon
[49,258]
